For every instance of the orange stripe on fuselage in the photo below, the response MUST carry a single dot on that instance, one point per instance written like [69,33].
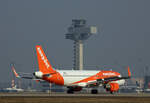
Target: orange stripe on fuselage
[55,78]
[100,75]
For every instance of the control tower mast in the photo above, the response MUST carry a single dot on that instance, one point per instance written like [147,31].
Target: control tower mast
[78,32]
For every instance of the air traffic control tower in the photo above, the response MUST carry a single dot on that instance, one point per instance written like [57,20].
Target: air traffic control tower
[79,32]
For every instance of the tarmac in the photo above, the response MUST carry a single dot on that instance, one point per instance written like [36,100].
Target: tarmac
[74,98]
[41,94]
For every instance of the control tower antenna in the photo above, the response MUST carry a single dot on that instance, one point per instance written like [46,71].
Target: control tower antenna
[79,32]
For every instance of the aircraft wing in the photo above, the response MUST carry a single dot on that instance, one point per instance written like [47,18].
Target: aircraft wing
[106,80]
[109,79]
[100,82]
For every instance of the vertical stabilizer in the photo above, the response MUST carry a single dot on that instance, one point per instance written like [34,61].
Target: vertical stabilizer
[14,71]
[44,65]
[129,73]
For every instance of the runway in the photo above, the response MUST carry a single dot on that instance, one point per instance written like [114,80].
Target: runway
[73,98]
[39,94]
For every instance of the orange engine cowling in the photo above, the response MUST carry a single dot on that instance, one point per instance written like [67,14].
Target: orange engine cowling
[112,87]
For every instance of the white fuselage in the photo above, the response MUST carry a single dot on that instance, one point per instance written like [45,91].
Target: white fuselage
[71,76]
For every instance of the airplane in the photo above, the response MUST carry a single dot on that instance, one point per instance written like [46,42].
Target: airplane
[75,80]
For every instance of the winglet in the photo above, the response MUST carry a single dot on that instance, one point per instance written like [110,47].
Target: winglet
[129,73]
[16,74]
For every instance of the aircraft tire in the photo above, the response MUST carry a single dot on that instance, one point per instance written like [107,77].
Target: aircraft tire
[70,91]
[94,91]
[111,92]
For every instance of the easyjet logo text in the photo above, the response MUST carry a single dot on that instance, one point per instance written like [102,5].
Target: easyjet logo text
[108,73]
[43,58]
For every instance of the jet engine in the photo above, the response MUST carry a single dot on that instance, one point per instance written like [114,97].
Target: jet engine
[38,74]
[112,87]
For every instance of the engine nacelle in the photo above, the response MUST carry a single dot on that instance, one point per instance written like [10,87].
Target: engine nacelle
[112,87]
[38,74]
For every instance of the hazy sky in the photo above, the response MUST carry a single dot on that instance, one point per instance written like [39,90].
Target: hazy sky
[123,38]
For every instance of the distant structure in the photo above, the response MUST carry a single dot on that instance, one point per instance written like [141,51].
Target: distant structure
[147,78]
[78,32]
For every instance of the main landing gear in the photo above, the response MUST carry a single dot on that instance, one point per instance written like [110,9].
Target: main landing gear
[94,91]
[70,90]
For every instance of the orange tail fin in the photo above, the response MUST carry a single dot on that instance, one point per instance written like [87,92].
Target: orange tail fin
[129,73]
[16,74]
[44,64]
